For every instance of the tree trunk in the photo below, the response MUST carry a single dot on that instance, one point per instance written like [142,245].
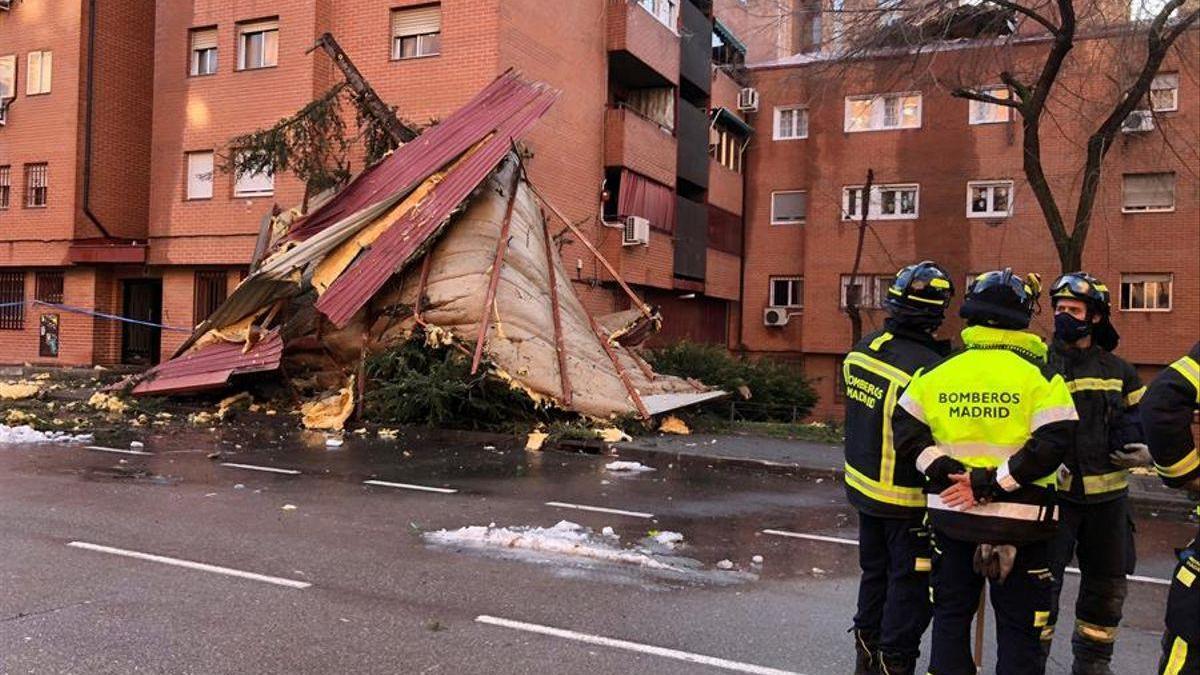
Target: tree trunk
[852,302]
[399,132]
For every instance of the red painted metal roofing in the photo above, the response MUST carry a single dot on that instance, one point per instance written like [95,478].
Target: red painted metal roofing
[506,116]
[404,169]
[212,366]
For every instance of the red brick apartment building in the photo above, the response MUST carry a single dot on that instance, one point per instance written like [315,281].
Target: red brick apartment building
[109,198]
[949,186]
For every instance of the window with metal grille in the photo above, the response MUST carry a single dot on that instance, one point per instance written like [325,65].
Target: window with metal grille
[211,288]
[48,287]
[5,186]
[12,300]
[36,185]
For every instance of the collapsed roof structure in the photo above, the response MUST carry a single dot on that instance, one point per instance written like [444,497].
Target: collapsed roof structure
[446,235]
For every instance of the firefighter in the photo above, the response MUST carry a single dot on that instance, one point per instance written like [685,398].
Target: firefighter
[1167,411]
[893,594]
[1094,520]
[989,426]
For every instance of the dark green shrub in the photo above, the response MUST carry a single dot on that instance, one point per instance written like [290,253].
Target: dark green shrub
[778,391]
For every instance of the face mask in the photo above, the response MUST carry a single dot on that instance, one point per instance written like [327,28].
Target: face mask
[1069,329]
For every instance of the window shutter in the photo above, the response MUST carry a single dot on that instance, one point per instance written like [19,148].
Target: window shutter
[204,39]
[1165,81]
[200,175]
[33,73]
[256,27]
[417,21]
[1149,190]
[791,205]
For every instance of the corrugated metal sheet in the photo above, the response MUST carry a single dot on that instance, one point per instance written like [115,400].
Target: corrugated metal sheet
[517,106]
[212,366]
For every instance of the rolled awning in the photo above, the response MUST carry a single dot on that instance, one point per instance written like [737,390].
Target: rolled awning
[727,116]
[640,196]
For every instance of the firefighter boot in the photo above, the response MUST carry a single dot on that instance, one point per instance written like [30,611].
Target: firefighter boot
[1092,652]
[866,647]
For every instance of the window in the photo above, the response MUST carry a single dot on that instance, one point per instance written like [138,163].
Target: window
[38,71]
[791,123]
[727,147]
[882,112]
[258,45]
[200,175]
[787,292]
[889,12]
[259,184]
[204,52]
[48,287]
[1146,292]
[868,291]
[8,77]
[416,32]
[5,186]
[666,11]
[888,202]
[990,113]
[36,185]
[991,199]
[12,300]
[211,288]
[1148,192]
[789,207]
[1146,10]
[1164,92]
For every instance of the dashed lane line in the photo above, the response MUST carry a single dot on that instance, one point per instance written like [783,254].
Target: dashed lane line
[626,645]
[255,467]
[850,542]
[190,564]
[119,451]
[600,509]
[410,486]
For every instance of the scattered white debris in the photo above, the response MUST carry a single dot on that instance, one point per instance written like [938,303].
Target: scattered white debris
[608,531]
[757,560]
[565,538]
[136,445]
[239,486]
[725,565]
[668,538]
[820,480]
[27,434]
[630,467]
[333,442]
[489,447]
[818,571]
[289,507]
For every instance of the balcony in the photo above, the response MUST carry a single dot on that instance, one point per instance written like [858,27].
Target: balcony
[639,145]
[695,67]
[643,52]
[692,134]
[724,188]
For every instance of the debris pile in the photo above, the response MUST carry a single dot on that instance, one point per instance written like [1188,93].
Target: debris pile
[445,238]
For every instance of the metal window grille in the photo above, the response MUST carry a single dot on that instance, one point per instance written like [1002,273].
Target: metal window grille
[210,291]
[5,186]
[49,287]
[36,179]
[12,300]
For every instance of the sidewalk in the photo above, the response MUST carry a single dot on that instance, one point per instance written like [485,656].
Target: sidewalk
[779,455]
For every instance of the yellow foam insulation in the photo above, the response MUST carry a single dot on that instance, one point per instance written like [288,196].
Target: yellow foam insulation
[108,403]
[612,435]
[239,331]
[674,425]
[20,390]
[15,417]
[535,440]
[243,399]
[331,412]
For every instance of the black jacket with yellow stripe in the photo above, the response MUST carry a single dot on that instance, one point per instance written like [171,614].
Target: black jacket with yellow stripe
[1167,410]
[874,375]
[1106,390]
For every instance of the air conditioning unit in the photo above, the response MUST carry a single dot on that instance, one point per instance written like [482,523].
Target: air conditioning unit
[748,100]
[5,4]
[1138,121]
[776,316]
[636,232]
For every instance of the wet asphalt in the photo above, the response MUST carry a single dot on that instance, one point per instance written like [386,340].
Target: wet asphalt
[383,600]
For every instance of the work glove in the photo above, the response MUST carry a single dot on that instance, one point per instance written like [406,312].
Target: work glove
[939,470]
[1133,454]
[983,484]
[994,561]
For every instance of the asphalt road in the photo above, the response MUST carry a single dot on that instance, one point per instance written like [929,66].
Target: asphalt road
[349,584]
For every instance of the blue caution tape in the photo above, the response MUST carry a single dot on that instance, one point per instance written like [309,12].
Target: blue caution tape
[99,315]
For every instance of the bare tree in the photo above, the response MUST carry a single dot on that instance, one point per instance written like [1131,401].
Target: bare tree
[1026,45]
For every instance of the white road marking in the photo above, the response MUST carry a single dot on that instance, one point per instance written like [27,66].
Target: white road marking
[255,467]
[203,567]
[632,646]
[812,537]
[120,451]
[599,509]
[850,542]
[409,486]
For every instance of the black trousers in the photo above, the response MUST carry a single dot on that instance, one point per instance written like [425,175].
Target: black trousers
[893,594]
[1181,640]
[1100,535]
[1021,607]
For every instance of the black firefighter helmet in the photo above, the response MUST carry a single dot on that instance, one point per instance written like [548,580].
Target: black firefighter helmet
[1093,293]
[1001,299]
[920,294]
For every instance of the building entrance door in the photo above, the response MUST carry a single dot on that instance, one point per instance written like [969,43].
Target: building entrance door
[142,300]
